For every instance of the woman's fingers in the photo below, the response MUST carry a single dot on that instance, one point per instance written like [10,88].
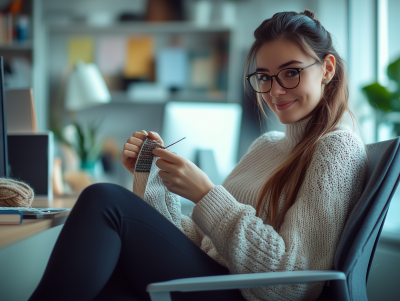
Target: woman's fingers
[167,155]
[142,135]
[129,154]
[156,136]
[135,141]
[165,165]
[131,147]
[133,144]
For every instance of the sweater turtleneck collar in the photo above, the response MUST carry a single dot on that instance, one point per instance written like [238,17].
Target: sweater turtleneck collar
[294,133]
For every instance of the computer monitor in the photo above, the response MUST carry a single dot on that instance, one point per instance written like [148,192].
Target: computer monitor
[206,126]
[3,126]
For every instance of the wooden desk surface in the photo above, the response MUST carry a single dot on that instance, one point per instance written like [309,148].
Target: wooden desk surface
[10,234]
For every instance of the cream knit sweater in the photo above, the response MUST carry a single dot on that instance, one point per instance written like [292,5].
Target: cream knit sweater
[224,225]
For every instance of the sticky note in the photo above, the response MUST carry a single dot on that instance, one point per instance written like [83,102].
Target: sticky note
[203,70]
[80,49]
[172,66]
[111,54]
[139,57]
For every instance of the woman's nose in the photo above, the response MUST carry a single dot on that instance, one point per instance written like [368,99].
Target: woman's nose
[276,89]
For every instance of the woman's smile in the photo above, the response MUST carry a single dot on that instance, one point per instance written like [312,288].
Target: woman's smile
[283,105]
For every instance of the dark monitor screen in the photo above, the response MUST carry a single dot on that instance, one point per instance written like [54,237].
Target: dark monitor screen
[32,169]
[3,126]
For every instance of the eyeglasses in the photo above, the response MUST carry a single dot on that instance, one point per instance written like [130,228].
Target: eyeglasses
[288,78]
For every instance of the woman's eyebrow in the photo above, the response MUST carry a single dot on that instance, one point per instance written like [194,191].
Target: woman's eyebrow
[281,66]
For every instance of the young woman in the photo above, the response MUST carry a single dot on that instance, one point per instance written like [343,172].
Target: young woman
[282,208]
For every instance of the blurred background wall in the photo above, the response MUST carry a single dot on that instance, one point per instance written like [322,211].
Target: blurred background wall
[153,52]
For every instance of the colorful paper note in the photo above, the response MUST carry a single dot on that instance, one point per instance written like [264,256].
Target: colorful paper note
[203,70]
[80,49]
[139,57]
[172,67]
[111,54]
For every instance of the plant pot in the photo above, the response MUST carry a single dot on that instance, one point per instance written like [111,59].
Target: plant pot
[89,167]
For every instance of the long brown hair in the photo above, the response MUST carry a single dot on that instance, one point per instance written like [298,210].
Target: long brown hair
[311,36]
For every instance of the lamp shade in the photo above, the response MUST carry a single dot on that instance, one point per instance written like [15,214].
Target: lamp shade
[86,88]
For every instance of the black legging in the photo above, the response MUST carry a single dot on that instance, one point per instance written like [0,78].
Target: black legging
[114,244]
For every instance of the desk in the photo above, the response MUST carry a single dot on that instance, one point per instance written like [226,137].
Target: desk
[13,233]
[26,248]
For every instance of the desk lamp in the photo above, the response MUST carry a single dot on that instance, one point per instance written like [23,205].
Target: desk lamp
[86,88]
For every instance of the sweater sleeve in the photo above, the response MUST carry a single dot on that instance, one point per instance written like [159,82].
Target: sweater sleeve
[310,231]
[148,185]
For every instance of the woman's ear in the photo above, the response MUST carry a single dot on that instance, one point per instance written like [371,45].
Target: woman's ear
[329,68]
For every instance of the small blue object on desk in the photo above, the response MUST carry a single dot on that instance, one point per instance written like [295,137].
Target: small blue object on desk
[10,217]
[36,213]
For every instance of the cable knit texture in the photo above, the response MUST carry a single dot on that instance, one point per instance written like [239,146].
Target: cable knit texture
[224,223]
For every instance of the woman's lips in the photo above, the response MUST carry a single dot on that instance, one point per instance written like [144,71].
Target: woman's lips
[280,106]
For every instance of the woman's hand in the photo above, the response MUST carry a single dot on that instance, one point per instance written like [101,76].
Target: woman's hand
[132,148]
[181,176]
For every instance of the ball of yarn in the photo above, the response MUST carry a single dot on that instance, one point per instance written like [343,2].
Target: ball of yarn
[15,194]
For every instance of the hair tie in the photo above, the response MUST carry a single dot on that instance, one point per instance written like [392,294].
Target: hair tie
[310,14]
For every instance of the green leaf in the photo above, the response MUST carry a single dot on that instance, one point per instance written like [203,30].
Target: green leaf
[378,96]
[393,71]
[87,146]
[57,131]
[80,148]
[95,152]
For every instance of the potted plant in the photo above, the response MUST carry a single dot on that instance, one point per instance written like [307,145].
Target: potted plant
[386,101]
[85,142]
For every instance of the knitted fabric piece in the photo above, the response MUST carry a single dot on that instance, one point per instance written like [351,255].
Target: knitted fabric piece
[15,194]
[225,226]
[143,166]
[145,158]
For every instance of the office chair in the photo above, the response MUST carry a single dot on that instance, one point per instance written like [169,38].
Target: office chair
[355,252]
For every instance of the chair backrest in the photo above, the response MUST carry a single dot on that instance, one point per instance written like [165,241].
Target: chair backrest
[360,236]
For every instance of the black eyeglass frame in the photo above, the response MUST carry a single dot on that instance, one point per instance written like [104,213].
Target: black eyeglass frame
[276,76]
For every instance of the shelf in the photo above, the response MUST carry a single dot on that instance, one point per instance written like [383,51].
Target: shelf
[138,27]
[122,98]
[16,47]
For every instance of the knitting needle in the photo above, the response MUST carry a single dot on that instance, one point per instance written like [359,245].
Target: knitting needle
[174,143]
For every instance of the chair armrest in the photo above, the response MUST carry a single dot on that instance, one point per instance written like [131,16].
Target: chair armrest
[160,291]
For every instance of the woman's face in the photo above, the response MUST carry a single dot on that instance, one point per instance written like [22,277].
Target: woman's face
[291,105]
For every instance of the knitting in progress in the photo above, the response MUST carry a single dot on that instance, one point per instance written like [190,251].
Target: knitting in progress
[144,163]
[224,223]
[15,194]
[145,157]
